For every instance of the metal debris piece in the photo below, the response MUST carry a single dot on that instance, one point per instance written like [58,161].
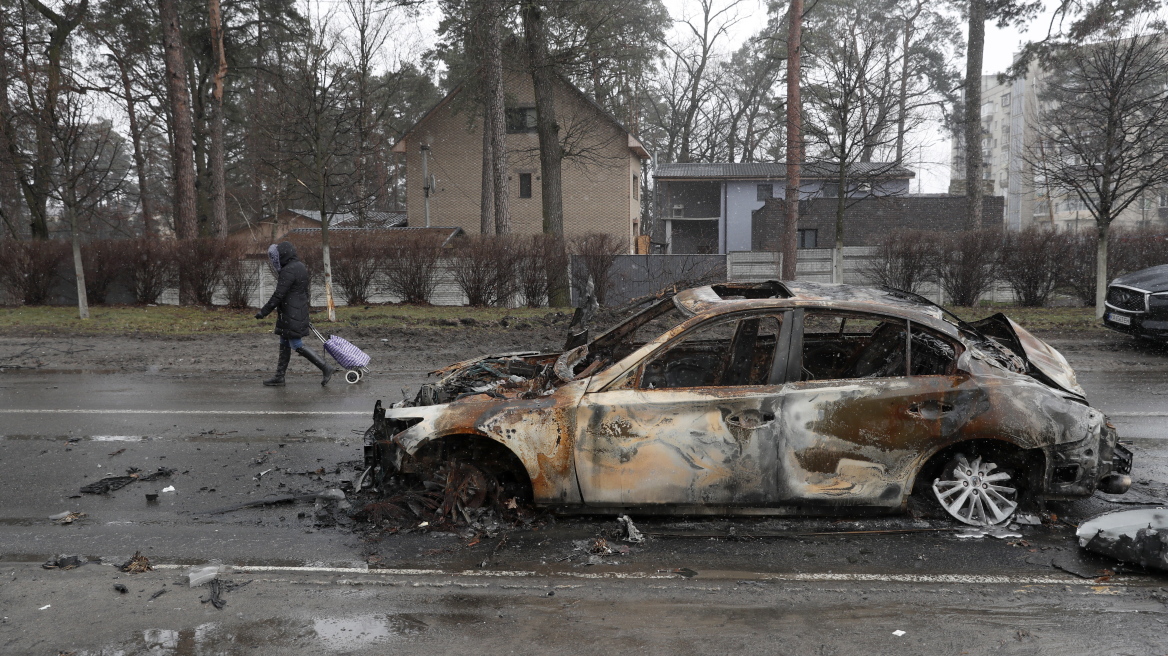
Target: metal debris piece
[1134,536]
[632,533]
[137,564]
[121,588]
[108,484]
[157,594]
[978,532]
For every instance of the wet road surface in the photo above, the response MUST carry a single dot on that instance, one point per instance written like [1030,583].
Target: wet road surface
[698,586]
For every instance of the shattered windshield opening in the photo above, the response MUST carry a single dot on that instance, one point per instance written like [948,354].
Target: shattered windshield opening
[619,341]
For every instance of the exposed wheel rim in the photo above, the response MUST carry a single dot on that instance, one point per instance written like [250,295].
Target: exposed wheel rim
[974,494]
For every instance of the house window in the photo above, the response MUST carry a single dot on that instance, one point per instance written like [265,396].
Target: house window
[1164,199]
[520,119]
[1005,100]
[808,238]
[765,191]
[678,211]
[636,188]
[525,185]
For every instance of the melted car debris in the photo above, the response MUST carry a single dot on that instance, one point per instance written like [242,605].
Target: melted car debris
[1134,536]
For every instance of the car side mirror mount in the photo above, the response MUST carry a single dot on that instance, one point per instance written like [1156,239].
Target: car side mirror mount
[964,361]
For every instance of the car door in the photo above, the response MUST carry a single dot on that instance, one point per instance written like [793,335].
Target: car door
[875,393]
[693,423]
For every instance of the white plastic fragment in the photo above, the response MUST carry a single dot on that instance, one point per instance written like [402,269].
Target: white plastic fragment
[61,515]
[632,533]
[46,606]
[201,574]
[169,488]
[898,633]
[331,494]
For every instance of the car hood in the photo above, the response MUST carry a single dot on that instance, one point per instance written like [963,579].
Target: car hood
[1152,279]
[1046,363]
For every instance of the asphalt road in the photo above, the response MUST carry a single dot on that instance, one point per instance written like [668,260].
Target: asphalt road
[796,586]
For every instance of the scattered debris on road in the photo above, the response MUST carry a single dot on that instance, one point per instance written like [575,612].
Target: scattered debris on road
[200,574]
[137,564]
[65,562]
[67,517]
[112,483]
[157,594]
[1133,536]
[216,596]
[632,534]
[121,588]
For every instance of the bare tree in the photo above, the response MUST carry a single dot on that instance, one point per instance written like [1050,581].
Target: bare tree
[1104,127]
[215,155]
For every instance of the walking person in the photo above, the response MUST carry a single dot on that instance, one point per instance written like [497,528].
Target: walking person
[290,300]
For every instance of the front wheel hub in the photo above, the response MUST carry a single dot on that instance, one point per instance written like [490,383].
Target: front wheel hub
[974,494]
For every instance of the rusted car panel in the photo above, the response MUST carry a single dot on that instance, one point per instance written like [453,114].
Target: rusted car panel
[792,420]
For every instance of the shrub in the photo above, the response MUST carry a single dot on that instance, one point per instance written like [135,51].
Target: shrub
[411,266]
[239,278]
[965,263]
[29,269]
[596,253]
[903,260]
[1032,263]
[356,258]
[103,261]
[201,264]
[483,268]
[151,268]
[531,275]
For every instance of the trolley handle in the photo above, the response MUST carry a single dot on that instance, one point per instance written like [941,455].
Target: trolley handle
[317,333]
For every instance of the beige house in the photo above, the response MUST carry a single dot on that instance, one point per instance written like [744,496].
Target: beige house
[601,172]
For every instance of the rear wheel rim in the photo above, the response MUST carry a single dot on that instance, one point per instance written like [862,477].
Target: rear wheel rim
[973,493]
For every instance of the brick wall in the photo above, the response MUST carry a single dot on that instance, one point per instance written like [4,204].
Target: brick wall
[866,222]
[597,181]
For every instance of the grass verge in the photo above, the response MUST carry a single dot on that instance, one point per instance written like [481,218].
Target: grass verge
[175,321]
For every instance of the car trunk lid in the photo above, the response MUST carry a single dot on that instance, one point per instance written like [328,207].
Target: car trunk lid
[1045,363]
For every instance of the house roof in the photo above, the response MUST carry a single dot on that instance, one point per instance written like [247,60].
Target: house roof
[635,144]
[770,170]
[373,219]
[448,234]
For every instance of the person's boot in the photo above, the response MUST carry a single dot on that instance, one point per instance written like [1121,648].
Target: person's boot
[281,367]
[315,359]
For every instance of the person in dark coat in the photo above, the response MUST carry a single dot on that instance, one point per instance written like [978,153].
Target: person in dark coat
[290,300]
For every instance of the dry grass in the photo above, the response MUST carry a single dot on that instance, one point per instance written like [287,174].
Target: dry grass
[191,321]
[1060,321]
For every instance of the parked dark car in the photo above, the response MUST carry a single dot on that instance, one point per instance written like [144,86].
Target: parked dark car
[1137,303]
[786,398]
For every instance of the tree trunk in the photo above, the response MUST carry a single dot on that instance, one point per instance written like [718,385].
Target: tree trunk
[487,197]
[497,116]
[139,155]
[78,268]
[325,258]
[973,154]
[837,253]
[218,191]
[1101,230]
[550,150]
[183,128]
[902,99]
[789,245]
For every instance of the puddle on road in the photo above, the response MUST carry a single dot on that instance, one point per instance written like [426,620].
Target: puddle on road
[325,634]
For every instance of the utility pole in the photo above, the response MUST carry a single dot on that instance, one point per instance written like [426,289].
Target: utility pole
[426,186]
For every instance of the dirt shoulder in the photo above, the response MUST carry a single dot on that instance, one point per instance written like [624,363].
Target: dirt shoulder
[404,339]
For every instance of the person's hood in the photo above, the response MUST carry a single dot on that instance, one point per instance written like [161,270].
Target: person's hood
[287,253]
[1152,279]
[274,258]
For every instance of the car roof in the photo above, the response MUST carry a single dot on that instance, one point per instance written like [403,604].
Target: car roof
[723,297]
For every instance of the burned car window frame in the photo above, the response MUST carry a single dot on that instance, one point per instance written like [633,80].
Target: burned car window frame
[636,377]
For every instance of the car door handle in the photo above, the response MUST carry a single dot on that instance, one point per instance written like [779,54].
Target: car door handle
[750,419]
[929,409]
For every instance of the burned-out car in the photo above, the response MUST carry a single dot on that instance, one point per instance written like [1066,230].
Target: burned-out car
[769,398]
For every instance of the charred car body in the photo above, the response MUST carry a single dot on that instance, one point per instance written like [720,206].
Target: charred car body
[770,398]
[1137,303]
